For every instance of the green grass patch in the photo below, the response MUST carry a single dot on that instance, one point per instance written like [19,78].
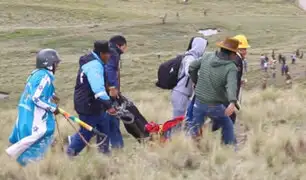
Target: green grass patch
[69,42]
[34,14]
[26,33]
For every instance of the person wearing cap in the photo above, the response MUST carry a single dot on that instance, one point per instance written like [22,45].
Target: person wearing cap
[215,76]
[118,46]
[240,63]
[91,99]
[33,131]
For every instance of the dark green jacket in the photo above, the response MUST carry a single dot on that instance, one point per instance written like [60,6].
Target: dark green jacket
[215,78]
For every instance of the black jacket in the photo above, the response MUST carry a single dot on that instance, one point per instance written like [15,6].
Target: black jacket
[239,64]
[112,67]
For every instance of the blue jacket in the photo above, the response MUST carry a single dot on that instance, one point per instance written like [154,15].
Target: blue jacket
[33,130]
[112,67]
[90,94]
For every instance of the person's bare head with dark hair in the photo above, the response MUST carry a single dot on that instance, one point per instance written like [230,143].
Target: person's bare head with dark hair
[101,48]
[120,42]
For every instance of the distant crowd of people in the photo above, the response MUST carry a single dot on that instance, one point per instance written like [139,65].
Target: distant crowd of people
[271,63]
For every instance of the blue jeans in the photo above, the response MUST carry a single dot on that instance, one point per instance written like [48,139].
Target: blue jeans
[189,113]
[101,122]
[216,113]
[115,133]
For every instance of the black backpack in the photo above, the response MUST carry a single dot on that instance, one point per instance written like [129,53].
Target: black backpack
[168,73]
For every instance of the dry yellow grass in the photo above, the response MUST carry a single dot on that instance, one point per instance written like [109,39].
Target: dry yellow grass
[275,147]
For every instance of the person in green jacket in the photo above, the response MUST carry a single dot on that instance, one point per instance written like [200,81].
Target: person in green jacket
[215,76]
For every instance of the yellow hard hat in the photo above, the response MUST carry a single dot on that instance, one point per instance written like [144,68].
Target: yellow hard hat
[243,42]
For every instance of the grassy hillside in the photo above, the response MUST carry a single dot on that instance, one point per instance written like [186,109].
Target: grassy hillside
[272,147]
[72,26]
[269,119]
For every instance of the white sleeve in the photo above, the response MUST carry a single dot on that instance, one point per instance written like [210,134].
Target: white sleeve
[38,94]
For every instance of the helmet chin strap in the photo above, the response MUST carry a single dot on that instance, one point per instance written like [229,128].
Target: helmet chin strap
[51,68]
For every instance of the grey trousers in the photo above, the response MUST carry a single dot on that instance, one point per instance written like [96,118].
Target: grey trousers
[180,103]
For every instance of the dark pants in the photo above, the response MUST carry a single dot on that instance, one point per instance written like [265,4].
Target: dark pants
[101,122]
[114,132]
[190,110]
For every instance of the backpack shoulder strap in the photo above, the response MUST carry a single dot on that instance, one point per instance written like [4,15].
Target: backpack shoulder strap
[188,79]
[181,56]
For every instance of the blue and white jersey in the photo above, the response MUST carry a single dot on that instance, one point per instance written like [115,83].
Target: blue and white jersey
[39,91]
[35,123]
